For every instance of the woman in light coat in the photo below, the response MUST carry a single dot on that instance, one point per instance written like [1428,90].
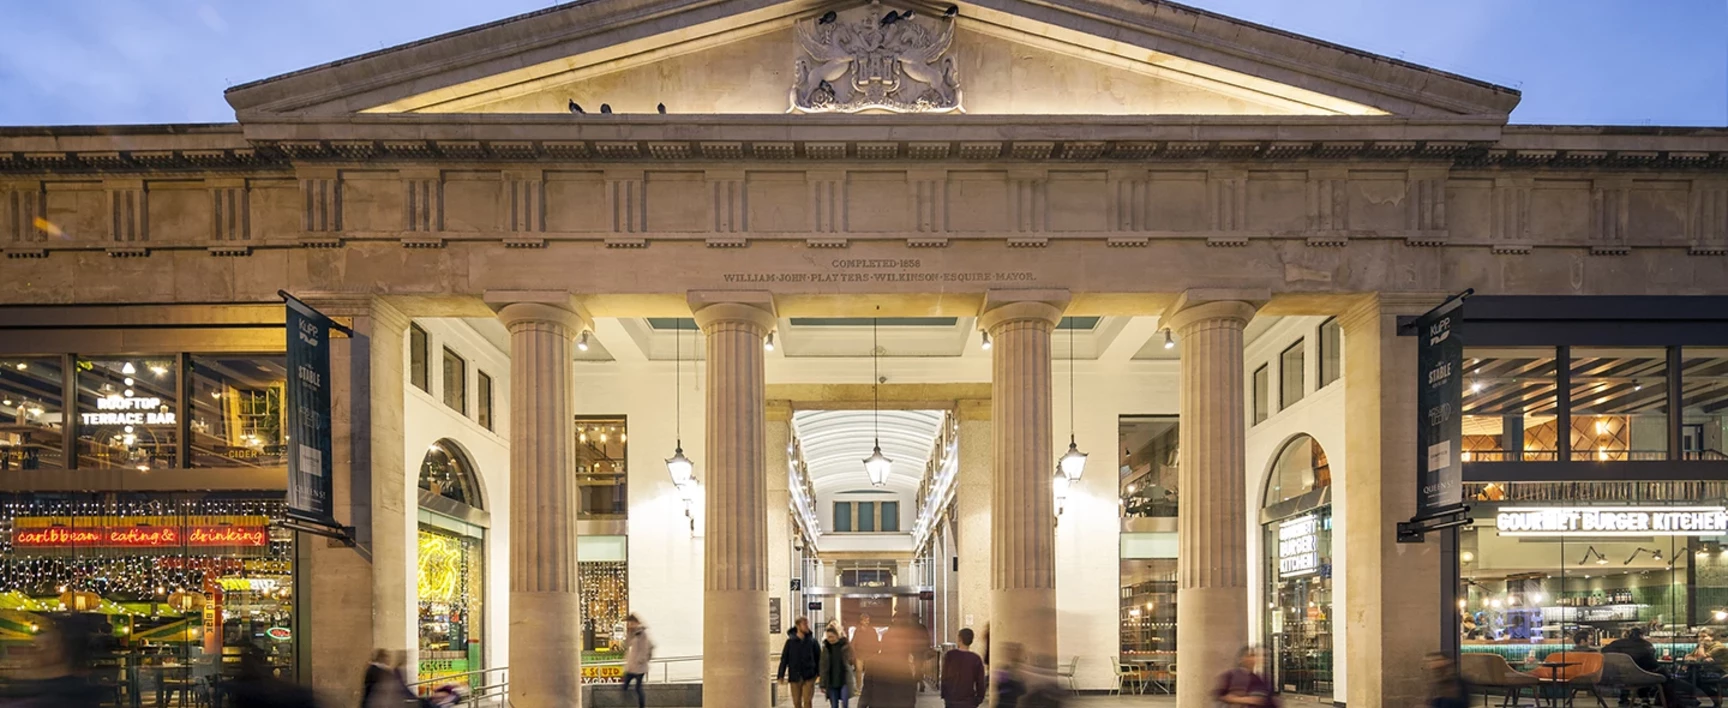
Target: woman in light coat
[638,651]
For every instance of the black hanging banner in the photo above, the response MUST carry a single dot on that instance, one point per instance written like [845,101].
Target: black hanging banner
[309,444]
[1440,401]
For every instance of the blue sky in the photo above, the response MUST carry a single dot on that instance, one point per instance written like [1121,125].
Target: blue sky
[1615,62]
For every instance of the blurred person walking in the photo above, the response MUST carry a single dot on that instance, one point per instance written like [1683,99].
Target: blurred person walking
[1243,685]
[257,686]
[1007,676]
[638,651]
[55,676]
[1445,688]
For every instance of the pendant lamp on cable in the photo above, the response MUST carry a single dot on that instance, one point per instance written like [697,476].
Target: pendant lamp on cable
[1073,462]
[683,471]
[877,465]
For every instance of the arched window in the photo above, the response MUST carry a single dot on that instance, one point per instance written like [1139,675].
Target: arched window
[1301,467]
[449,473]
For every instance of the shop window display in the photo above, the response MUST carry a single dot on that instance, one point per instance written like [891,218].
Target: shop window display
[32,413]
[238,411]
[179,583]
[1549,566]
[605,588]
[602,481]
[451,576]
[128,412]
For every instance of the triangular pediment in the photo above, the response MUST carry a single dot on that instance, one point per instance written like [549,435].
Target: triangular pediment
[994,57]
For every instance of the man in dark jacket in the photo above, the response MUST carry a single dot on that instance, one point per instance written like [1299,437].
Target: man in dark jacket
[800,663]
[1636,646]
[964,684]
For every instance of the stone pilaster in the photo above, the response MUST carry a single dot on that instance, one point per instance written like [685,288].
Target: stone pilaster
[1022,515]
[359,597]
[735,608]
[780,524]
[1212,564]
[972,495]
[1394,589]
[545,607]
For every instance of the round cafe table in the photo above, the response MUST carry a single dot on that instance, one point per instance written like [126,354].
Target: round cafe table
[1554,668]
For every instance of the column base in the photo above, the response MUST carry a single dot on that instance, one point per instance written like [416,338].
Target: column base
[1211,629]
[545,649]
[1025,616]
[735,668]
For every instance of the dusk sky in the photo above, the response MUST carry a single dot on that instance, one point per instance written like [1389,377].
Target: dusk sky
[1618,62]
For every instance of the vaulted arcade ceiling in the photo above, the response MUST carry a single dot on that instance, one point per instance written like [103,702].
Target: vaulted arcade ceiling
[986,57]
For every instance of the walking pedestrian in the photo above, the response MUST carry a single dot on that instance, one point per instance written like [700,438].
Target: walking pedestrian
[800,662]
[1243,685]
[836,676]
[1006,674]
[964,684]
[638,651]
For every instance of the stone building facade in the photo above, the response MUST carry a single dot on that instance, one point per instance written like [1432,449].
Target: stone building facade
[1086,158]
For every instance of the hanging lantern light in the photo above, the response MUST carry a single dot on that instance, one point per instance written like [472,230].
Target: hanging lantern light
[877,466]
[1072,463]
[682,470]
[80,600]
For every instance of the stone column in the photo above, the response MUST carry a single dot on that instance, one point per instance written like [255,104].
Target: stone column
[1212,564]
[545,607]
[1023,517]
[735,603]
[1394,588]
[358,598]
[972,496]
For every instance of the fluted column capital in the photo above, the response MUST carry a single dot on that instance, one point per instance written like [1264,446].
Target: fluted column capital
[542,308]
[1228,307]
[1005,307]
[751,309]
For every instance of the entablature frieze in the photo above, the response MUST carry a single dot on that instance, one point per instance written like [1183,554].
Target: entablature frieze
[1029,204]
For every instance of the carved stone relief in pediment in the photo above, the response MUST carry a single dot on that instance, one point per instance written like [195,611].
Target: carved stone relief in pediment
[875,58]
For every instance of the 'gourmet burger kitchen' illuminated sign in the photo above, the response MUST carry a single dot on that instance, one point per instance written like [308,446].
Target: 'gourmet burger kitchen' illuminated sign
[1612,521]
[1299,546]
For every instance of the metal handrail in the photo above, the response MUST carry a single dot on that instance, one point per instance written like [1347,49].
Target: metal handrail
[445,679]
[664,662]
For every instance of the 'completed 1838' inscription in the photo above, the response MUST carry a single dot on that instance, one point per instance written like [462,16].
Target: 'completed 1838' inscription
[881,270]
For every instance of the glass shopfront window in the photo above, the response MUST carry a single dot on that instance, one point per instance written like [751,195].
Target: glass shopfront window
[32,413]
[1510,405]
[451,580]
[1704,402]
[1297,515]
[451,568]
[238,411]
[1146,474]
[1619,403]
[1146,608]
[176,585]
[602,445]
[128,412]
[1554,566]
[603,576]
